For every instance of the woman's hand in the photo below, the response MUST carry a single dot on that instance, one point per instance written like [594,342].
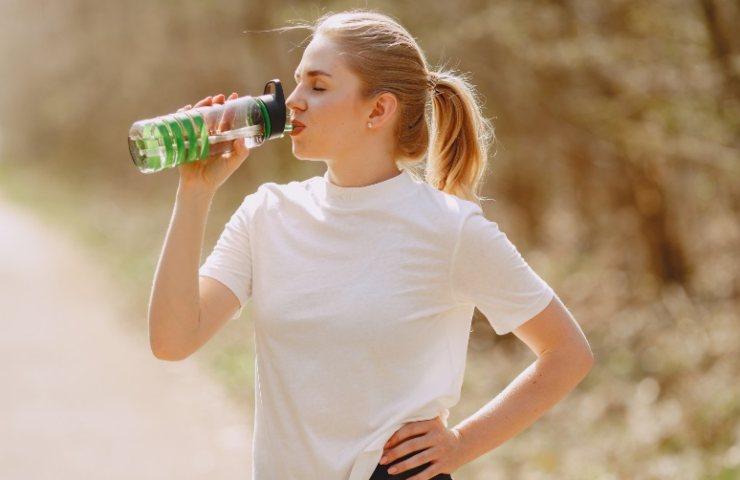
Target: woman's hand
[211,172]
[442,447]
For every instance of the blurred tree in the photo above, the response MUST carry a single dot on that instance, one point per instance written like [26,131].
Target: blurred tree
[616,172]
[622,113]
[722,20]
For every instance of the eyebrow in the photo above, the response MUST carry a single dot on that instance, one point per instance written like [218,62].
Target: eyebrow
[312,73]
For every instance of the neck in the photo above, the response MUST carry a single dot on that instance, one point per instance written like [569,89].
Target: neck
[360,175]
[376,164]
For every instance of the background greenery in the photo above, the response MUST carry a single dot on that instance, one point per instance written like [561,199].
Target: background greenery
[616,173]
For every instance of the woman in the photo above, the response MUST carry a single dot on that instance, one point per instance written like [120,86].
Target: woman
[364,280]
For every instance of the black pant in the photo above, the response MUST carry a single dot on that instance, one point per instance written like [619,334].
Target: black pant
[381,471]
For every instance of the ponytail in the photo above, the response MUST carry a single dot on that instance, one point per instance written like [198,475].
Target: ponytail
[460,137]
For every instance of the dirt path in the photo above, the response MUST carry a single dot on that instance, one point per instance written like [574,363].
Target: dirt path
[81,395]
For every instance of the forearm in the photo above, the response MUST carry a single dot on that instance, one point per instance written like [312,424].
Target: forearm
[529,396]
[174,305]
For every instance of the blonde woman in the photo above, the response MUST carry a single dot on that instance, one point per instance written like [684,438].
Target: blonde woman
[363,280]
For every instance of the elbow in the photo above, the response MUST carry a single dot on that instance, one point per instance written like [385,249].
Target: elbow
[583,360]
[164,347]
[168,340]
[168,354]
[588,362]
[577,361]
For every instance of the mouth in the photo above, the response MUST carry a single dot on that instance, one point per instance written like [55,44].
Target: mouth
[297,128]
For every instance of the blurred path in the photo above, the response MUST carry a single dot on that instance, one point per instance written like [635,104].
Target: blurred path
[81,395]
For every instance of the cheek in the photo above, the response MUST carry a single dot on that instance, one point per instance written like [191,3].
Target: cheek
[337,124]
[345,135]
[347,128]
[340,114]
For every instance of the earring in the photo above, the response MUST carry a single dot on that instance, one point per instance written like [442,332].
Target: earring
[369,125]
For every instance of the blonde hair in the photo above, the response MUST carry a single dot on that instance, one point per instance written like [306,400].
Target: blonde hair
[386,58]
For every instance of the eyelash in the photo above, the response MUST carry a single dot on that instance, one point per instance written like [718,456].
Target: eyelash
[316,89]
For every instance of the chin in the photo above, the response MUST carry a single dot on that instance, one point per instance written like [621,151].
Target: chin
[300,156]
[297,153]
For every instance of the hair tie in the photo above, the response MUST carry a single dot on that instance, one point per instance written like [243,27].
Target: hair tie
[432,81]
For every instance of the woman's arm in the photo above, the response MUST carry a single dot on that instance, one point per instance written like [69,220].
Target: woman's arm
[563,360]
[185,310]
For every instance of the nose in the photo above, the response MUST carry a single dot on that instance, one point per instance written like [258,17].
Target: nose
[294,101]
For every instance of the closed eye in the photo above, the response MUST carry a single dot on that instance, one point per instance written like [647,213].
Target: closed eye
[316,89]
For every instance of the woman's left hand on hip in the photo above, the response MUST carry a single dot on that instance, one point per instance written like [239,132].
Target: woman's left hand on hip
[436,444]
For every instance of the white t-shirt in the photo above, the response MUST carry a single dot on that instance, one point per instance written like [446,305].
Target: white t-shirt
[362,300]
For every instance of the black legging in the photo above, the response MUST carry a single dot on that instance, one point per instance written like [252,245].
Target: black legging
[381,471]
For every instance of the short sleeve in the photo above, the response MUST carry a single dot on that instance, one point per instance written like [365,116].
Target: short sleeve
[489,272]
[230,261]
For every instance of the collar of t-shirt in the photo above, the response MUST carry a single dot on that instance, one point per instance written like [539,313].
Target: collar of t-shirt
[374,194]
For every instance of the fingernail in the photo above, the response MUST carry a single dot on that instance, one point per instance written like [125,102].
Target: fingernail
[392,470]
[383,460]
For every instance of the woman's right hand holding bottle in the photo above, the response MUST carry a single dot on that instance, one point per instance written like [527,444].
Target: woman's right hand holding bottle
[211,172]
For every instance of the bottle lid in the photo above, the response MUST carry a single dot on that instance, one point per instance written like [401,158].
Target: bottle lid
[274,101]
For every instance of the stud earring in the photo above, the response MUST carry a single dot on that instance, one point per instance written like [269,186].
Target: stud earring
[369,125]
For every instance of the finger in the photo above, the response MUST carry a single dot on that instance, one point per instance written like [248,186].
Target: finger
[409,430]
[240,149]
[213,120]
[205,102]
[401,450]
[233,158]
[210,120]
[220,150]
[414,461]
[227,120]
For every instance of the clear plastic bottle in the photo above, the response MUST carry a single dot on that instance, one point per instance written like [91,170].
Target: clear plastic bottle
[191,135]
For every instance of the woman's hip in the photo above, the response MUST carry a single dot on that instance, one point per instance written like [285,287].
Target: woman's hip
[381,471]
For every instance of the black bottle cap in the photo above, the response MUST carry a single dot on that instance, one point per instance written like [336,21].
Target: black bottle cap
[274,101]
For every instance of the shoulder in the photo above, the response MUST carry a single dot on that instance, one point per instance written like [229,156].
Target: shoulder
[446,205]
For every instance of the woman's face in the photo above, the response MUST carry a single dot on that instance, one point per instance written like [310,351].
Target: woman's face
[327,101]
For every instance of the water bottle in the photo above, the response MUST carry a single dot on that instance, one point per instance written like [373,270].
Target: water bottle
[191,135]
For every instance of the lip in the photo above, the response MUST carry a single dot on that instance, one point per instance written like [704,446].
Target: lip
[297,127]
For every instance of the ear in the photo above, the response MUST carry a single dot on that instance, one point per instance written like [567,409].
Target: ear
[383,109]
